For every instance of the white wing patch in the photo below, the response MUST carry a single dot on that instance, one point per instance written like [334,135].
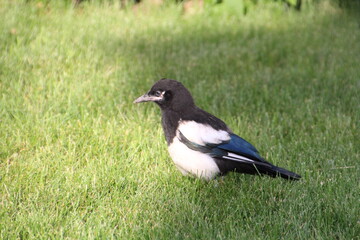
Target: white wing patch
[201,133]
[238,158]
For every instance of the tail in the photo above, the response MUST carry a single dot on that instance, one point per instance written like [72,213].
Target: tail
[277,171]
[261,168]
[274,171]
[266,168]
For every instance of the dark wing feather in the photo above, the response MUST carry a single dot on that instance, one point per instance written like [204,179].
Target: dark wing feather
[241,147]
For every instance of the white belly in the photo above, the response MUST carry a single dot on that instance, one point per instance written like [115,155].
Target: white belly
[192,162]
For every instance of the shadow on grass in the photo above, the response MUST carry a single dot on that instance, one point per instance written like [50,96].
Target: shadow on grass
[245,64]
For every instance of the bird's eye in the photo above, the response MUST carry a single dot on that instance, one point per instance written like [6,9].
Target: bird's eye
[158,93]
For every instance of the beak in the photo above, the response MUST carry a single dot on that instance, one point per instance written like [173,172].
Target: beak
[147,98]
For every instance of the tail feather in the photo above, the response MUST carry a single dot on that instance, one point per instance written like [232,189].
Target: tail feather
[275,171]
[286,173]
[264,168]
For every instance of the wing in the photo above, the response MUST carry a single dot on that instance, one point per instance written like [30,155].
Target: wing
[202,134]
[241,148]
[217,143]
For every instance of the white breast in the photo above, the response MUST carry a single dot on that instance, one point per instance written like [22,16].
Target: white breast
[193,162]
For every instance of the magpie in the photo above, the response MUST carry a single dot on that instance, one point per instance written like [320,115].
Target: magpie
[199,143]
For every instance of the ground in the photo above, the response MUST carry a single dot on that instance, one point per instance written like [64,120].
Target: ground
[79,160]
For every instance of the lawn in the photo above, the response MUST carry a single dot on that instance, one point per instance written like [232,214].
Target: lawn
[79,160]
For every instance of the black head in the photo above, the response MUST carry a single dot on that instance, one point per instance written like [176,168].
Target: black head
[168,94]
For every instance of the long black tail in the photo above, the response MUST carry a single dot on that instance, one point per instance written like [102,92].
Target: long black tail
[274,171]
[284,173]
[262,168]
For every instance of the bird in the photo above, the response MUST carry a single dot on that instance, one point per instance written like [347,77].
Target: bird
[200,144]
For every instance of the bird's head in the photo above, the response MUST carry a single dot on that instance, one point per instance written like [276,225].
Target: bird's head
[168,94]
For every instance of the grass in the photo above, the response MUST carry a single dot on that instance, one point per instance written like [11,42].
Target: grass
[80,161]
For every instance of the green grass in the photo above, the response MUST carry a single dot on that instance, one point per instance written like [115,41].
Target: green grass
[80,161]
